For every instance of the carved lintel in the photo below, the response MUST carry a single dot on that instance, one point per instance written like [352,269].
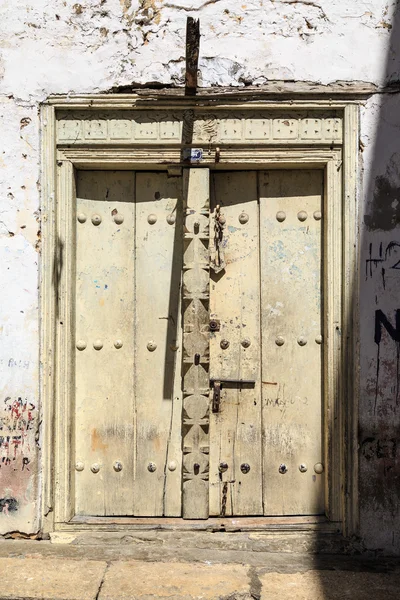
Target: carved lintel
[201,128]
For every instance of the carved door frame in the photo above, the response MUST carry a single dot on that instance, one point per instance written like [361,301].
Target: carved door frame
[128,132]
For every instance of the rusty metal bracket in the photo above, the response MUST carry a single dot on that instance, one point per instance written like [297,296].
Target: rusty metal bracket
[216,396]
[217,262]
[216,384]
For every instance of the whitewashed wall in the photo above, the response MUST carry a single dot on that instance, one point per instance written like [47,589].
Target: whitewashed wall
[58,47]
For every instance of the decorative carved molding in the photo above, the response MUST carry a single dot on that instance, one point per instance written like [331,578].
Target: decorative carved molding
[205,129]
[244,127]
[196,353]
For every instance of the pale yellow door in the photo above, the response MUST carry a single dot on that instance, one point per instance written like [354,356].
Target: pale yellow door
[128,399]
[235,351]
[292,324]
[266,345]
[266,442]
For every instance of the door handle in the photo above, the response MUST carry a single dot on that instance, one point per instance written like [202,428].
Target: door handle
[216,384]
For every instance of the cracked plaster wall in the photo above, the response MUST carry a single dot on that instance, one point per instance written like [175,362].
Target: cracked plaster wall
[58,47]
[64,46]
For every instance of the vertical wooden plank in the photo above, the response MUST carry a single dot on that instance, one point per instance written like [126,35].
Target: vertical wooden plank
[104,342]
[235,431]
[291,214]
[334,371]
[195,297]
[63,281]
[192,55]
[158,404]
[48,312]
[351,324]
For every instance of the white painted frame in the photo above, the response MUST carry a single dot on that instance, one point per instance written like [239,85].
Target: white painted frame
[341,395]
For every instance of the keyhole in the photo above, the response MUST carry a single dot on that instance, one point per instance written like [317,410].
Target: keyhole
[196,468]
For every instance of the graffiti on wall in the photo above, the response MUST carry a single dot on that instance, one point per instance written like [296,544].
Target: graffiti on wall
[18,434]
[383,265]
[379,448]
[382,450]
[381,320]
[373,448]
[383,323]
[384,258]
[8,505]
[16,426]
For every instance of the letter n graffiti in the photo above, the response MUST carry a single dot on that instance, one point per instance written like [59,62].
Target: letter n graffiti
[382,320]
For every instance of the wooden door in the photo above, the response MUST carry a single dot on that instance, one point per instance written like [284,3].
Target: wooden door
[148,439]
[291,211]
[235,351]
[126,301]
[266,443]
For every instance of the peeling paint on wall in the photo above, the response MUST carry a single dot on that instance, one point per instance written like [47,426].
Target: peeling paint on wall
[19,402]
[120,42]
[385,206]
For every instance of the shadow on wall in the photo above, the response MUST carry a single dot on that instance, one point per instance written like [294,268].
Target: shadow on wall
[379,409]
[377,286]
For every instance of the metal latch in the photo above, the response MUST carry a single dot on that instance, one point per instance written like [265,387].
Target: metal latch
[216,384]
[217,254]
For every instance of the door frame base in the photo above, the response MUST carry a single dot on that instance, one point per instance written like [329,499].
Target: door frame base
[233,542]
[311,523]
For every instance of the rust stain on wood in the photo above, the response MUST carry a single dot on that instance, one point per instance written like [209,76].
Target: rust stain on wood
[97,442]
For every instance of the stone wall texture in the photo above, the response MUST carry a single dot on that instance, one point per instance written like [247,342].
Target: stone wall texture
[52,47]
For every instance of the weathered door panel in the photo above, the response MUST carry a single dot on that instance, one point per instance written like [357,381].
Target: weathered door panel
[291,206]
[235,430]
[127,303]
[256,452]
[104,343]
[158,405]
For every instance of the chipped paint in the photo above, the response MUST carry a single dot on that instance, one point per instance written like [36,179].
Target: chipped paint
[123,41]
[19,341]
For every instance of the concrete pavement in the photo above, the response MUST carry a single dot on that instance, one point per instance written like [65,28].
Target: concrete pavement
[42,570]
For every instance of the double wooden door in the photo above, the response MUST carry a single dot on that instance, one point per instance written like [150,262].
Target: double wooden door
[252,442]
